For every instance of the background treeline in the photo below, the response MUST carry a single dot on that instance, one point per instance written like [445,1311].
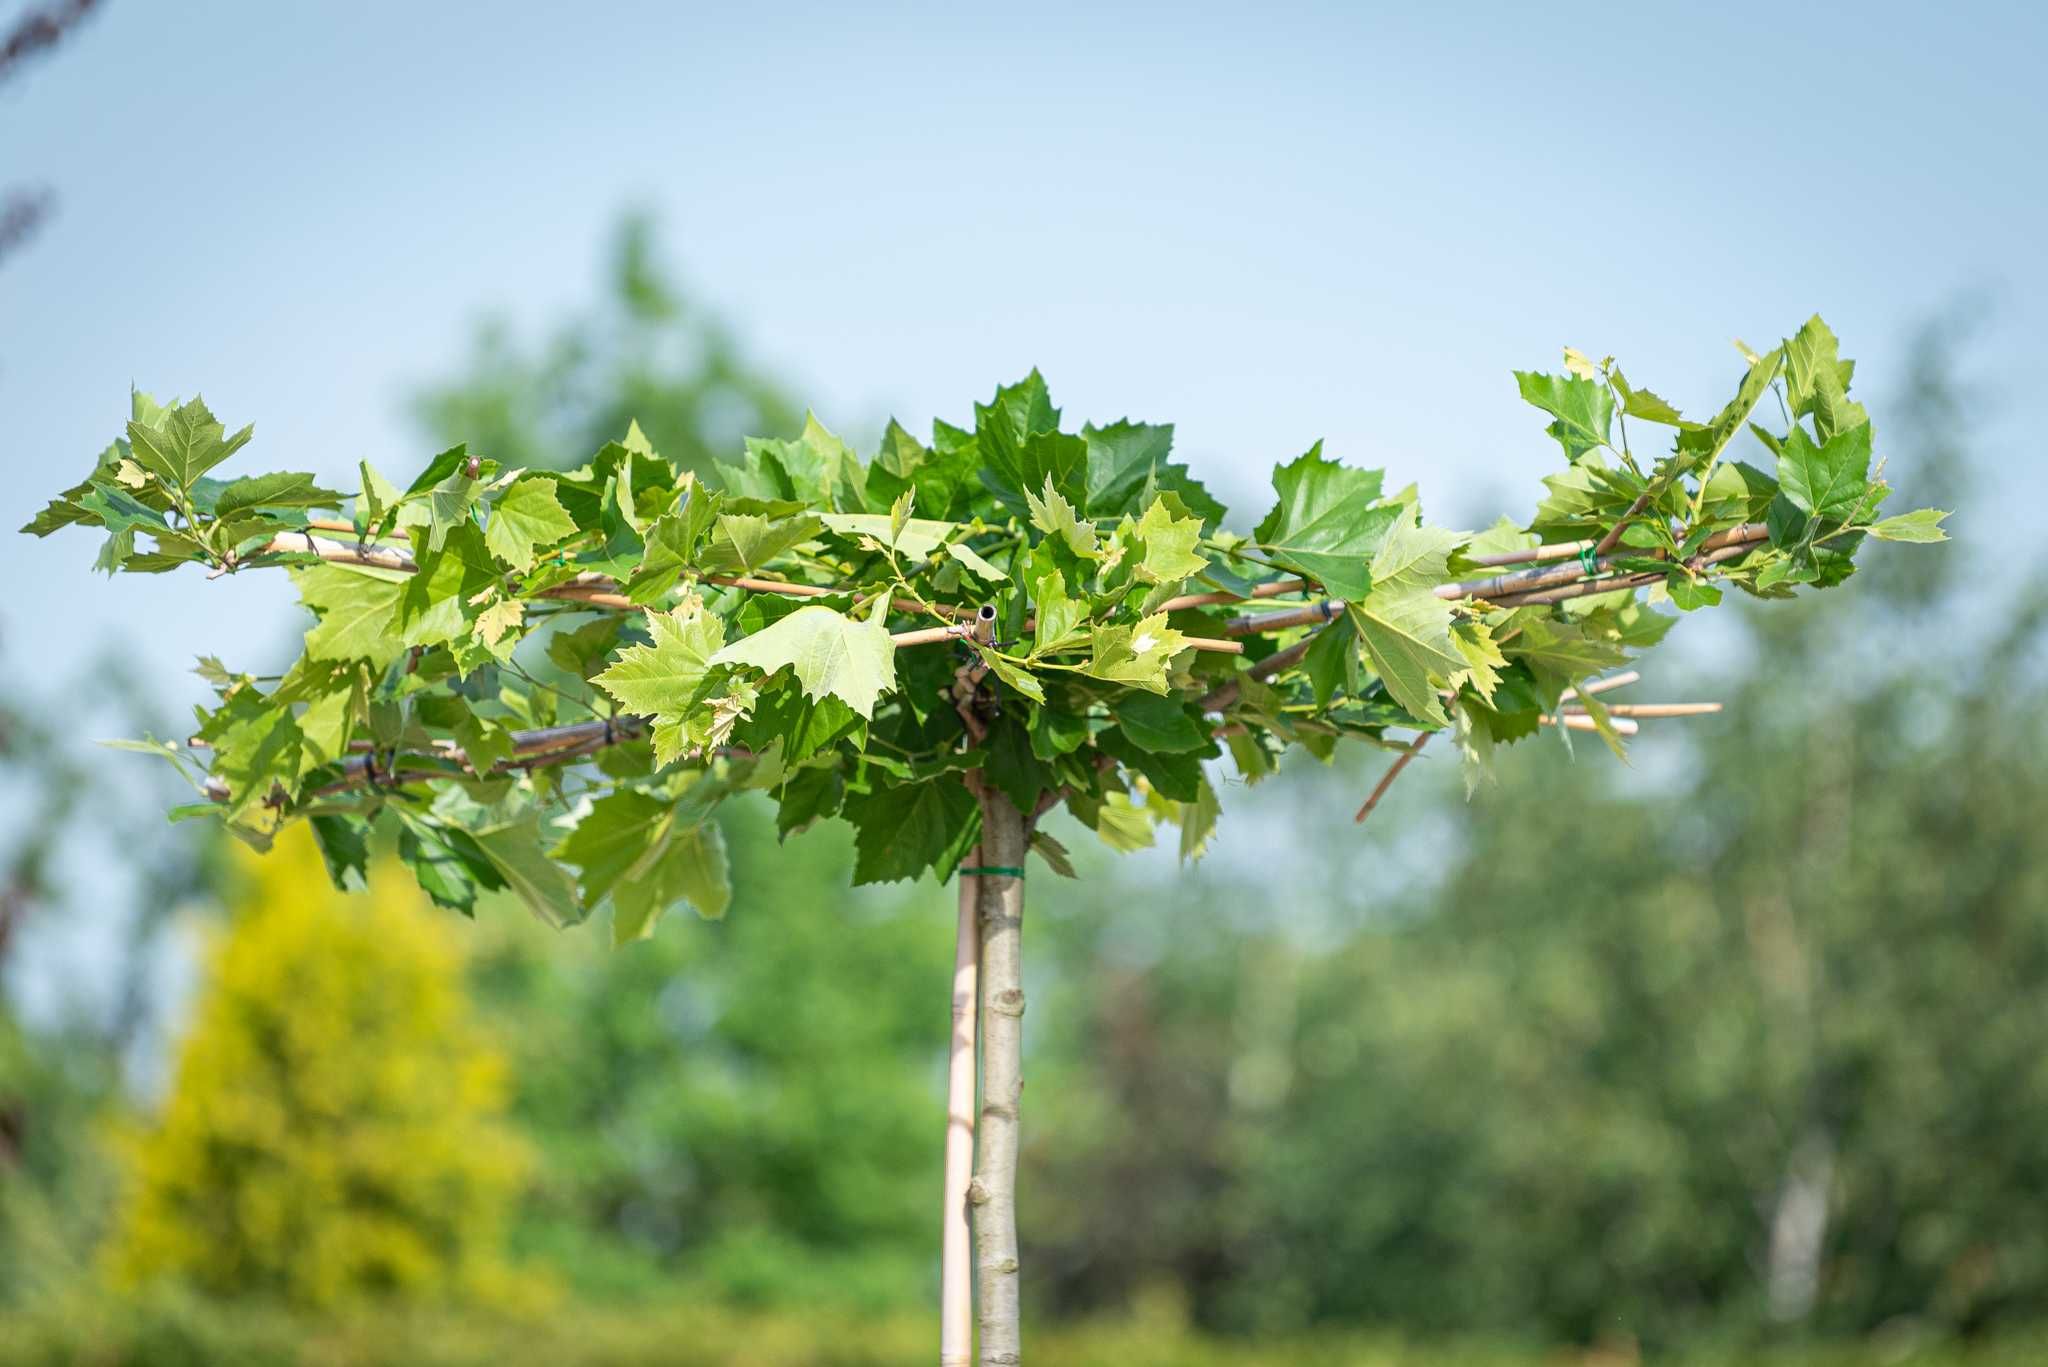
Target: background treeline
[1738,1050]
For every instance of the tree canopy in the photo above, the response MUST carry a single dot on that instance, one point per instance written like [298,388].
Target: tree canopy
[1060,612]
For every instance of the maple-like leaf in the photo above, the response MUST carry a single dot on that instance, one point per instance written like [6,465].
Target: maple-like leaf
[830,653]
[527,514]
[1325,524]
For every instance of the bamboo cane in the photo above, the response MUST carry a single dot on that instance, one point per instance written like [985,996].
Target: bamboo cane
[956,1250]
[599,592]
[1580,721]
[1659,709]
[1627,676]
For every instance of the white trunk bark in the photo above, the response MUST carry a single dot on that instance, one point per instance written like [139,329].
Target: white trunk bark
[993,1193]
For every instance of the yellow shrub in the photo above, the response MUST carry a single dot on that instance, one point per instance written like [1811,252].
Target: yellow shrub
[334,1128]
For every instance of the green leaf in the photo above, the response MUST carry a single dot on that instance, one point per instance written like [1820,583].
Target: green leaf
[1135,654]
[1689,594]
[358,610]
[1817,381]
[1404,626]
[283,489]
[1198,818]
[830,652]
[915,537]
[746,541]
[1922,524]
[182,443]
[665,680]
[672,542]
[1162,725]
[1128,466]
[520,857]
[1169,537]
[524,516]
[1325,524]
[692,868]
[965,554]
[1826,481]
[900,832]
[1053,853]
[1011,673]
[1059,616]
[1583,408]
[1053,515]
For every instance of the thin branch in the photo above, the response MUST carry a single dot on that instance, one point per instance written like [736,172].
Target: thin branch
[38,30]
[1379,790]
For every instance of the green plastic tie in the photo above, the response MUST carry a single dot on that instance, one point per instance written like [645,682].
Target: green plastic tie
[1589,559]
[992,871]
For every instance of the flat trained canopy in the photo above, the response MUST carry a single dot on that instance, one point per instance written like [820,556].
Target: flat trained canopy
[547,682]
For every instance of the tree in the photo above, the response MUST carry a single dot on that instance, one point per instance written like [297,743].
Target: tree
[334,1130]
[1085,581]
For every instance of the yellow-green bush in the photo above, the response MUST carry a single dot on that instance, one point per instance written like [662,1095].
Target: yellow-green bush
[334,1128]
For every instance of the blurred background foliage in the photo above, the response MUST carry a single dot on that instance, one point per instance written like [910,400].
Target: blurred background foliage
[1734,1055]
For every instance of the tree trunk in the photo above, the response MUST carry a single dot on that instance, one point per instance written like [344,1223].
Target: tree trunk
[993,1193]
[956,1255]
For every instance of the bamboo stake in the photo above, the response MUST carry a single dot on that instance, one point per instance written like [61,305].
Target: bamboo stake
[1659,709]
[1580,721]
[1279,588]
[599,592]
[956,1253]
[1627,676]
[1628,581]
[1541,577]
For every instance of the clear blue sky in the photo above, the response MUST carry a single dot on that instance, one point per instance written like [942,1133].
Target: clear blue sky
[1267,226]
[1347,222]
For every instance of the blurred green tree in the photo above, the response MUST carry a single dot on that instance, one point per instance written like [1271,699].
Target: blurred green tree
[746,1104]
[1784,1075]
[645,353]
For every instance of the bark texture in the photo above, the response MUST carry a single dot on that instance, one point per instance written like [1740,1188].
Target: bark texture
[1005,834]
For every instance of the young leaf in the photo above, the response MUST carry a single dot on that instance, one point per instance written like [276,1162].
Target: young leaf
[1922,524]
[183,443]
[830,653]
[1583,408]
[526,515]
[1325,524]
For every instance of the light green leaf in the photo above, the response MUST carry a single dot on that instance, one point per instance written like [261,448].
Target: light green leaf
[746,541]
[692,868]
[830,652]
[1169,536]
[180,444]
[524,516]
[664,680]
[1325,525]
[358,609]
[1922,524]
[1138,655]
[1583,408]
[916,537]
[1404,626]
[1059,616]
[961,552]
[1054,516]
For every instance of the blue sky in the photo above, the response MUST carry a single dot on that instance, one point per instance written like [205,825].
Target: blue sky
[1349,223]
[1267,226]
